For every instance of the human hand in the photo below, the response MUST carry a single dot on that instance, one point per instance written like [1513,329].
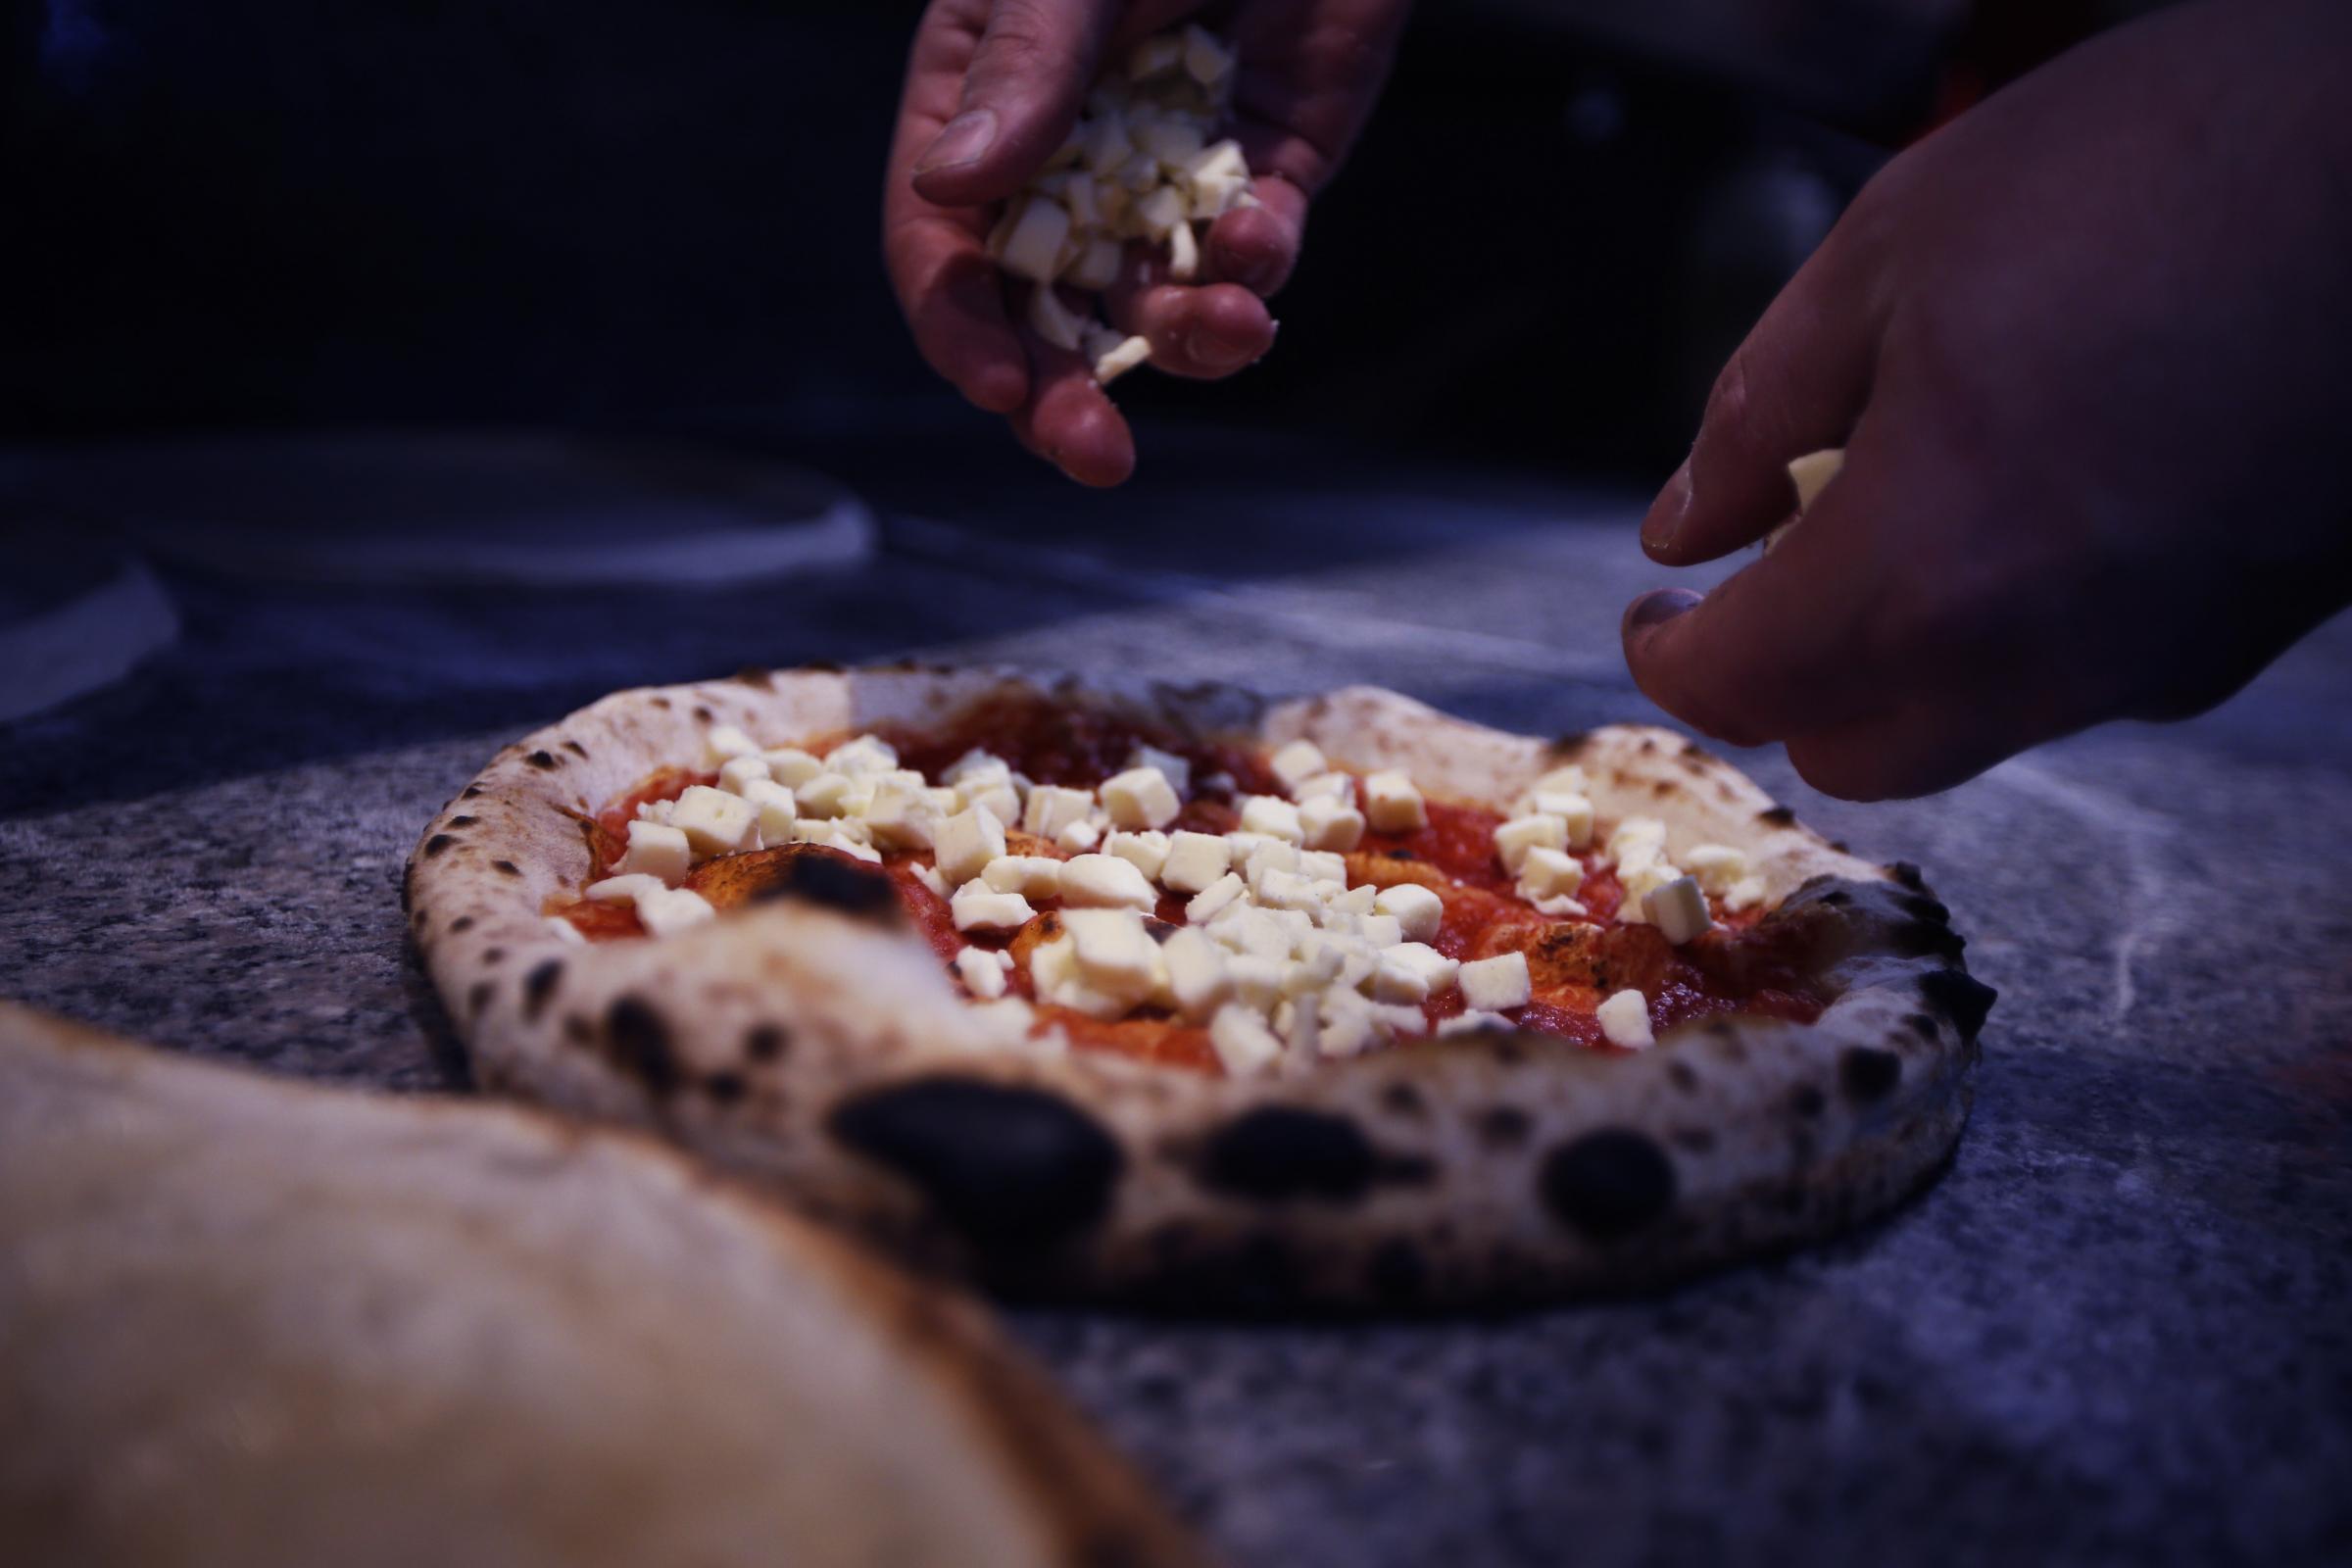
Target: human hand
[992,88]
[2086,347]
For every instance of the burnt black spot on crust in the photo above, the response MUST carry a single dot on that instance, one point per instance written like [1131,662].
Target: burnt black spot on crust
[462,821]
[662,703]
[1922,907]
[1923,1026]
[638,1041]
[1277,1152]
[438,843]
[753,676]
[1009,1167]
[703,711]
[1907,874]
[506,866]
[576,750]
[1920,938]
[1503,1126]
[1404,1100]
[472,792]
[1868,1074]
[1836,899]
[1608,1184]
[539,985]
[578,1028]
[543,759]
[480,997]
[1572,745]
[837,883]
[1807,1101]
[1776,817]
[1682,1075]
[463,923]
[1650,744]
[493,956]
[767,1042]
[1398,1275]
[725,1087]
[1959,996]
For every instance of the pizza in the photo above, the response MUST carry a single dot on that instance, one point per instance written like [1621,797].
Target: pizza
[247,1323]
[1190,999]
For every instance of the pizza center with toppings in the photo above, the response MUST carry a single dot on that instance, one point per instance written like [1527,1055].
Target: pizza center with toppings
[1204,904]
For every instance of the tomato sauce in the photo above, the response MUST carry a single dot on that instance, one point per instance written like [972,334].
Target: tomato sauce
[1574,963]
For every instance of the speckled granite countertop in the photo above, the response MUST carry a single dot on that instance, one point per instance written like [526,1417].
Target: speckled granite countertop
[2120,1329]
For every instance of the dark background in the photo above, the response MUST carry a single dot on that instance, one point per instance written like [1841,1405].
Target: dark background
[253,213]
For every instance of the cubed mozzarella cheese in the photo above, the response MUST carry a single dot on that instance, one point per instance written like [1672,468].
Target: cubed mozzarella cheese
[1575,812]
[1639,883]
[1053,321]
[902,816]
[829,795]
[1140,798]
[976,907]
[1324,865]
[725,742]
[1198,981]
[861,756]
[1053,808]
[1744,893]
[1331,822]
[773,804]
[966,842]
[1336,786]
[1172,767]
[1079,837]
[1678,908]
[790,767]
[1053,970]
[1147,852]
[1288,890]
[1717,867]
[1393,803]
[1380,930]
[1355,901]
[1559,904]
[1624,1020]
[624,888]
[930,877]
[658,850]
[1194,861]
[1297,762]
[1547,873]
[714,821]
[1272,815]
[1494,984]
[1214,899]
[1242,1040]
[982,976]
[976,766]
[1515,838]
[1637,836]
[1811,474]
[666,911]
[1032,237]
[1183,254]
[1565,780]
[1417,910]
[1120,357]
[1104,881]
[737,771]
[1038,876]
[1412,971]
[1115,954]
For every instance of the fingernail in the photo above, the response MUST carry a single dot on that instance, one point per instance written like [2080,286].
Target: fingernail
[1656,609]
[1665,518]
[961,140]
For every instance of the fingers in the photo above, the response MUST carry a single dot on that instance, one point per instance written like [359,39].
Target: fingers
[1794,644]
[954,299]
[1795,385]
[1200,330]
[1258,247]
[1068,418]
[1028,74]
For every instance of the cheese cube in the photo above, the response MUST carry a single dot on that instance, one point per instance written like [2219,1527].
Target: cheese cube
[1257,980]
[1052,320]
[1391,803]
[1545,873]
[1639,883]
[1079,836]
[1336,786]
[1624,1020]
[982,976]
[1214,900]
[1717,867]
[966,842]
[1174,768]
[737,771]
[1051,809]
[1298,1021]
[1562,905]
[656,811]
[1678,908]
[1039,876]
[1329,823]
[1494,984]
[1107,144]
[1811,474]
[658,850]
[1155,56]
[790,767]
[1183,254]
[1347,1026]
[1297,762]
[1242,1040]
[1053,970]
[1355,901]
[1264,855]
[975,907]
[1033,236]
[1117,359]
[1569,779]
[1273,817]
[1257,931]
[1417,911]
[867,753]
[773,804]
[666,911]
[1003,801]
[1744,893]
[1412,971]
[726,742]
[1515,838]
[976,766]
[1147,852]
[1140,798]
[1115,954]
[902,816]
[1104,881]
[1288,890]
[622,889]
[1575,812]
[1195,860]
[1381,931]
[714,821]
[1324,865]
[830,795]
[1197,980]
[1637,836]
[930,877]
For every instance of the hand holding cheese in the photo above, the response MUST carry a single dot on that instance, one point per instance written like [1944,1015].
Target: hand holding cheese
[985,150]
[2089,383]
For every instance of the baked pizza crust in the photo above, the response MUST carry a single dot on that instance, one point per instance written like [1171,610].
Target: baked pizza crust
[249,1322]
[827,1053]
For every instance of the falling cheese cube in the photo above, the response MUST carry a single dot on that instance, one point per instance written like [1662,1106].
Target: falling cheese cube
[1811,474]
[1678,908]
[1032,245]
[1053,321]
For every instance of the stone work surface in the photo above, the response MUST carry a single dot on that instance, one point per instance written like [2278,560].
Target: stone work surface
[2120,1329]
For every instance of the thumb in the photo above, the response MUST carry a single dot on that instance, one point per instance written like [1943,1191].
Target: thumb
[1028,74]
